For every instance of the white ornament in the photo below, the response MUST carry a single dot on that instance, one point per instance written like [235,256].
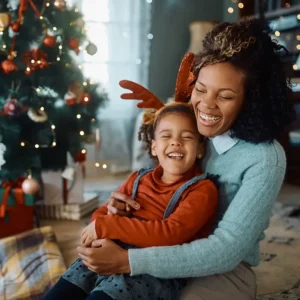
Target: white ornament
[37,116]
[2,150]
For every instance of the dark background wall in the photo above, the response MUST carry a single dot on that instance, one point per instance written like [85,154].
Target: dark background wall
[170,28]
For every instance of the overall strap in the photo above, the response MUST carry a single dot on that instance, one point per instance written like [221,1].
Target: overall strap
[176,196]
[141,173]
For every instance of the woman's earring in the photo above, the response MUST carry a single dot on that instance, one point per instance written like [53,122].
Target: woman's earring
[200,155]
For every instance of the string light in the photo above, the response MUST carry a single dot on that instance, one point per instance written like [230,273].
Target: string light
[56,3]
[1,32]
[38,61]
[80,48]
[22,144]
[298,37]
[58,58]
[79,66]
[83,151]
[37,146]
[54,144]
[78,116]
[298,47]
[41,17]
[104,166]
[91,82]
[93,120]
[47,4]
[54,28]
[38,90]
[84,83]
[4,46]
[230,10]
[42,108]
[32,61]
[277,33]
[60,47]
[150,36]
[298,17]
[53,127]
[241,5]
[28,69]
[97,165]
[81,132]
[295,67]
[86,99]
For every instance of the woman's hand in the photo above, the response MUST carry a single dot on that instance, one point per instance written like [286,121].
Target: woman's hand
[121,204]
[89,234]
[105,258]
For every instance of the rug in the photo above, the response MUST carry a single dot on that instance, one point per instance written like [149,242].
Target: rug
[278,275]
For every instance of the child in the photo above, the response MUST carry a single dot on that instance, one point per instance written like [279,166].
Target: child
[177,205]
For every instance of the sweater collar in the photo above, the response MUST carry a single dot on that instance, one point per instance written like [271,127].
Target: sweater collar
[223,142]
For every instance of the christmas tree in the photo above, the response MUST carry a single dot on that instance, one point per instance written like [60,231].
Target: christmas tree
[47,107]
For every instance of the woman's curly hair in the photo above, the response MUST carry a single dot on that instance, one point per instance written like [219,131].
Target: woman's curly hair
[147,131]
[248,46]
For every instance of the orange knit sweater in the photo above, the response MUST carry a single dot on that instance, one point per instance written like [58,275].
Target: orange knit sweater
[192,218]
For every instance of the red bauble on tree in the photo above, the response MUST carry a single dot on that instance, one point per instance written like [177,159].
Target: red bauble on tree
[16,27]
[8,66]
[12,107]
[74,45]
[86,98]
[49,41]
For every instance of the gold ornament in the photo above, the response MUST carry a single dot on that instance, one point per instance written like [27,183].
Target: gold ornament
[4,20]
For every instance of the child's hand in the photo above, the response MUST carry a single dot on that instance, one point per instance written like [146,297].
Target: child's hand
[88,234]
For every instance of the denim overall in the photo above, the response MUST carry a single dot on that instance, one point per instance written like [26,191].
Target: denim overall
[124,286]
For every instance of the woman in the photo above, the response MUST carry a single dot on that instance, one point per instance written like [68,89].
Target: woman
[241,104]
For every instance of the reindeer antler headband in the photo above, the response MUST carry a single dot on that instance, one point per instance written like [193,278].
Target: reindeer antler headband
[184,86]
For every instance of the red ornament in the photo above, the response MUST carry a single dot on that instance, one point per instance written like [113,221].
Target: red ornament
[74,45]
[49,41]
[80,157]
[16,27]
[35,59]
[86,98]
[30,186]
[8,66]
[70,98]
[12,107]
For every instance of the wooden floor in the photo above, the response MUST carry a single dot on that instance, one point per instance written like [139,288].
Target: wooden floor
[68,236]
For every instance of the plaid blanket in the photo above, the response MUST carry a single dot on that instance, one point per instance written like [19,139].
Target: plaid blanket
[30,264]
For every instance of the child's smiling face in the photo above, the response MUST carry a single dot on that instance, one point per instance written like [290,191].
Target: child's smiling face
[176,144]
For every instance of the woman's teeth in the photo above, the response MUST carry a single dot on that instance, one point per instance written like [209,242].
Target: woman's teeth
[209,118]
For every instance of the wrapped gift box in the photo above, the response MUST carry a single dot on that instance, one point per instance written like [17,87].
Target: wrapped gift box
[64,197]
[16,210]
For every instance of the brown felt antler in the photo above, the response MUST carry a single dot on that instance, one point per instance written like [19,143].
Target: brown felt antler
[185,79]
[149,100]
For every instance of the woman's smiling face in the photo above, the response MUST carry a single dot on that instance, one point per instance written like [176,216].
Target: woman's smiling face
[218,98]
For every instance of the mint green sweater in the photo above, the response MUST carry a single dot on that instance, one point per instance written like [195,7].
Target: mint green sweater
[250,179]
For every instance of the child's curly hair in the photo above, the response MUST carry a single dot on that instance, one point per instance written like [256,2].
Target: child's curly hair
[147,131]
[247,45]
